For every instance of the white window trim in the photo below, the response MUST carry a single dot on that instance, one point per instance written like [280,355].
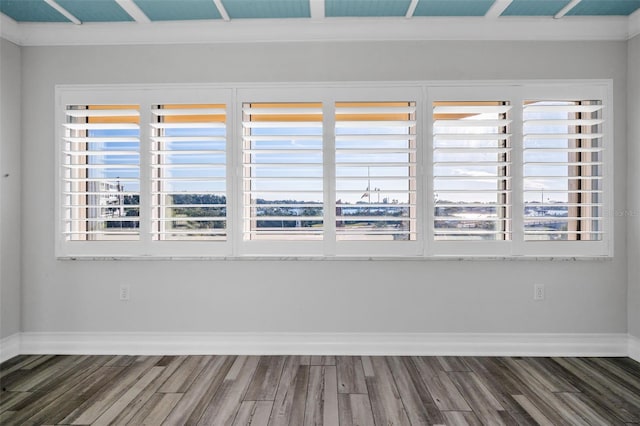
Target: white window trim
[422,92]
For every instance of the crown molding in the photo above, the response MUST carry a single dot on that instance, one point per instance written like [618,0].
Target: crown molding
[329,29]
[10,30]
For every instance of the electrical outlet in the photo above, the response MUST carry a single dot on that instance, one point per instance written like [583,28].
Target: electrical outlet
[538,292]
[124,291]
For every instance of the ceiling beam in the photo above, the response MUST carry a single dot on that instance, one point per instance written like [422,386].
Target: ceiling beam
[566,9]
[412,8]
[222,10]
[317,9]
[497,8]
[63,11]
[134,11]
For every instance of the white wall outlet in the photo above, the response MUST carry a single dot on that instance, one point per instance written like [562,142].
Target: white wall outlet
[124,291]
[538,292]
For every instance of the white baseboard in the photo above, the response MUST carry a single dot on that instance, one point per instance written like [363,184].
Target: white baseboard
[10,347]
[475,344]
[634,348]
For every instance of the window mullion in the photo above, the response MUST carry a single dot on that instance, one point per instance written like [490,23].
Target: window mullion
[329,173]
[426,174]
[234,173]
[145,178]
[517,173]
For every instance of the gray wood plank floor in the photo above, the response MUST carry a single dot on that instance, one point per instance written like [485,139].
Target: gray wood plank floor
[318,390]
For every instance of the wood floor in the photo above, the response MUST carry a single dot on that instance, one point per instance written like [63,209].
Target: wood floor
[318,390]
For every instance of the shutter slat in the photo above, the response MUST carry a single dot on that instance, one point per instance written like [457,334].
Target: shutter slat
[470,136]
[98,139]
[374,124]
[282,111]
[545,136]
[100,153]
[375,110]
[470,123]
[107,167]
[188,152]
[281,125]
[189,139]
[85,113]
[288,137]
[101,126]
[560,122]
[188,111]
[206,125]
[563,108]
[471,109]
[191,179]
[376,137]
[189,166]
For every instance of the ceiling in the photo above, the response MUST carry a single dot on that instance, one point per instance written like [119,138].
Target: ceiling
[41,22]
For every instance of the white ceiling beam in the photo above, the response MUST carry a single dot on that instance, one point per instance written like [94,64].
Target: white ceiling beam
[63,11]
[412,9]
[134,11]
[566,9]
[317,9]
[497,8]
[222,10]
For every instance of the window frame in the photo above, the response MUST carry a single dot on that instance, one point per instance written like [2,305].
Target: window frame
[423,93]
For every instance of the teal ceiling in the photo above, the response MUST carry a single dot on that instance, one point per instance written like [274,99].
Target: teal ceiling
[181,10]
[366,8]
[95,10]
[185,10]
[452,7]
[268,9]
[535,7]
[31,11]
[601,7]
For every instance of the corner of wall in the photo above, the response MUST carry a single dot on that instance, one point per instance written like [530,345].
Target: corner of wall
[10,189]
[633,189]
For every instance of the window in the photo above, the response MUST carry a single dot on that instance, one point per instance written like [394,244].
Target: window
[377,170]
[563,170]
[101,173]
[471,170]
[282,171]
[189,184]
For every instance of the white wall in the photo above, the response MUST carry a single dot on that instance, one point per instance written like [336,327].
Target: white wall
[633,207]
[10,103]
[323,296]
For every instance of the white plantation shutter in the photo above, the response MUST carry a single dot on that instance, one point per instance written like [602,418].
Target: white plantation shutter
[375,155]
[101,172]
[188,172]
[380,170]
[282,179]
[563,170]
[471,170]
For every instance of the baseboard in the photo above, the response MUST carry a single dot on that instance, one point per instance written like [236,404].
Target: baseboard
[9,347]
[475,344]
[634,348]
